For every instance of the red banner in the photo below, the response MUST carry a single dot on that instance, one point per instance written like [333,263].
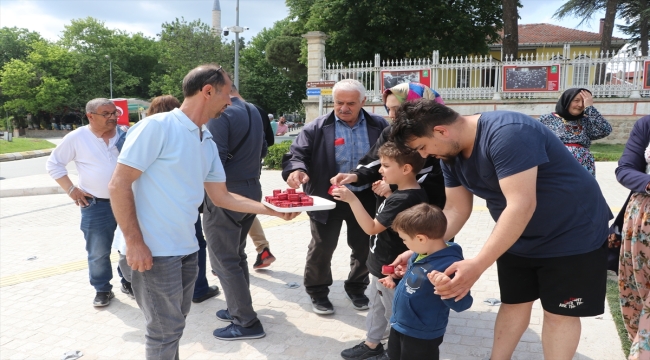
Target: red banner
[123,110]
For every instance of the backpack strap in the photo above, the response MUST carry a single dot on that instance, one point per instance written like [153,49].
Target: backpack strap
[231,154]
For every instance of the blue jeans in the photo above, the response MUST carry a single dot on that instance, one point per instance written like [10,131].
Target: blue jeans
[164,294]
[201,286]
[98,225]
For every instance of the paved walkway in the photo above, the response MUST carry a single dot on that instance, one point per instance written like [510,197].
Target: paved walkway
[45,298]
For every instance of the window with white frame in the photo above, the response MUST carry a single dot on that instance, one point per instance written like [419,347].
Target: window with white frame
[462,78]
[581,70]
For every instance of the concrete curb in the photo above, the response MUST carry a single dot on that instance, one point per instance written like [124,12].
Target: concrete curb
[25,155]
[46,190]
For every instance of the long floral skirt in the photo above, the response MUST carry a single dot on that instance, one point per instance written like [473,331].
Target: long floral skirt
[634,275]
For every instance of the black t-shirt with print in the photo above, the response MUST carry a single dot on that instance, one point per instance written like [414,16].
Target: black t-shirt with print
[387,245]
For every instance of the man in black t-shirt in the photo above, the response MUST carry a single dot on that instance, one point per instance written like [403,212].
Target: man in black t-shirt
[398,168]
[551,218]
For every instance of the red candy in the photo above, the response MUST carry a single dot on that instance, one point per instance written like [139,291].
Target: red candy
[332,189]
[291,198]
[387,269]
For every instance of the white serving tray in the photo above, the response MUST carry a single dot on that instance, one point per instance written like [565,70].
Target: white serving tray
[319,204]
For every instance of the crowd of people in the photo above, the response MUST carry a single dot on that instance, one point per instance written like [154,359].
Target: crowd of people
[404,191]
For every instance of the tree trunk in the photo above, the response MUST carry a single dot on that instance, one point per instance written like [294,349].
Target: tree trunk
[510,41]
[643,26]
[606,39]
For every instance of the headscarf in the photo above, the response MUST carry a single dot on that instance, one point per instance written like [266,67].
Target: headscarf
[562,106]
[412,91]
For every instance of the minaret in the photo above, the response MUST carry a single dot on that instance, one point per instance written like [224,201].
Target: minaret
[216,18]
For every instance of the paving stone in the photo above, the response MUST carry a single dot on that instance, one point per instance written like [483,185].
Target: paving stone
[51,313]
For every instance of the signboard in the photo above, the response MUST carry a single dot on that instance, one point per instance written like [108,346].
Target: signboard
[320,84]
[123,111]
[313,91]
[531,78]
[646,75]
[326,91]
[393,78]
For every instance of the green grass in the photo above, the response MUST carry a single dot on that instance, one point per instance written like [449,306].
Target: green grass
[615,308]
[24,144]
[606,152]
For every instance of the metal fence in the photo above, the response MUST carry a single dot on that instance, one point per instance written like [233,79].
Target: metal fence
[482,77]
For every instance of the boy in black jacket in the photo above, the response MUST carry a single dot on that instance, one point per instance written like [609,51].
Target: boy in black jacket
[397,168]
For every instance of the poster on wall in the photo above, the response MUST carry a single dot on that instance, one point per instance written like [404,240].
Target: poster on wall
[393,78]
[531,78]
[646,75]
[123,111]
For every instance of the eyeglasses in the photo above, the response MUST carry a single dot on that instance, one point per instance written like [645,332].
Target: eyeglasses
[109,115]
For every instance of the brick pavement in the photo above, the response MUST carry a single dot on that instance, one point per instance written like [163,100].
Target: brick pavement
[48,311]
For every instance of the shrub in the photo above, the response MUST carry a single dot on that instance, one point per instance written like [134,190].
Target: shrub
[273,160]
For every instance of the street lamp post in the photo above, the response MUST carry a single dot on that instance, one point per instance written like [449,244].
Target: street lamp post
[236,29]
[110,72]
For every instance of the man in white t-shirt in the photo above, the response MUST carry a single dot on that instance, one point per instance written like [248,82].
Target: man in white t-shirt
[94,149]
[166,162]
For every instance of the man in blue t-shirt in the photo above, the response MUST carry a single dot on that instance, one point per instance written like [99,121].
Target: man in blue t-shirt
[551,218]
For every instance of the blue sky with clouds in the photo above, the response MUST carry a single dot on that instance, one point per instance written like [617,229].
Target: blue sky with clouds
[48,17]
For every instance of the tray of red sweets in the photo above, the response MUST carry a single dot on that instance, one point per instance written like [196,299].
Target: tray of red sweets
[291,200]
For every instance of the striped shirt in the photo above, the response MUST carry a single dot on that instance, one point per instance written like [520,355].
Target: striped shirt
[354,146]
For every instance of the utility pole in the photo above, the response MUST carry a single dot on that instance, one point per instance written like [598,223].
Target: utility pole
[236,29]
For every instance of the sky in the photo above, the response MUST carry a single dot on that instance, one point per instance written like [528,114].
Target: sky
[48,17]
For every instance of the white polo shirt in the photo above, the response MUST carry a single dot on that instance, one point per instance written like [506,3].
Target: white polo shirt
[94,159]
[174,163]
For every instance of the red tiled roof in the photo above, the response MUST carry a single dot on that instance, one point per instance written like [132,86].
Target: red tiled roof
[548,33]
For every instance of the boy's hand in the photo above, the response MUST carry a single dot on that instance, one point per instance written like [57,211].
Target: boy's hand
[401,262]
[342,179]
[342,193]
[387,282]
[437,278]
[381,188]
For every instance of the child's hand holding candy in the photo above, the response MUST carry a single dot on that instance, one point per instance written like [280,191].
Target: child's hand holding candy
[387,282]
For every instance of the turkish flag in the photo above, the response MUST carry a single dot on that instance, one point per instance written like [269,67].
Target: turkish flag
[123,108]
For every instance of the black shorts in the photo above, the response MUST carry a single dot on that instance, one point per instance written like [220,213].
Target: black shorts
[568,285]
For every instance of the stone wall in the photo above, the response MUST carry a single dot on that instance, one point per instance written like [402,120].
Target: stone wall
[43,134]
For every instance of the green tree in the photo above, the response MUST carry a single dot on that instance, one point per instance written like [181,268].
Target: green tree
[283,52]
[510,42]
[183,47]
[358,29]
[16,43]
[41,82]
[637,14]
[265,84]
[585,10]
[134,60]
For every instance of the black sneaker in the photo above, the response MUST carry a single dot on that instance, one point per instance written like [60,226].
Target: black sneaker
[224,315]
[359,301]
[128,290]
[383,356]
[264,259]
[237,332]
[322,306]
[362,351]
[212,292]
[103,298]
